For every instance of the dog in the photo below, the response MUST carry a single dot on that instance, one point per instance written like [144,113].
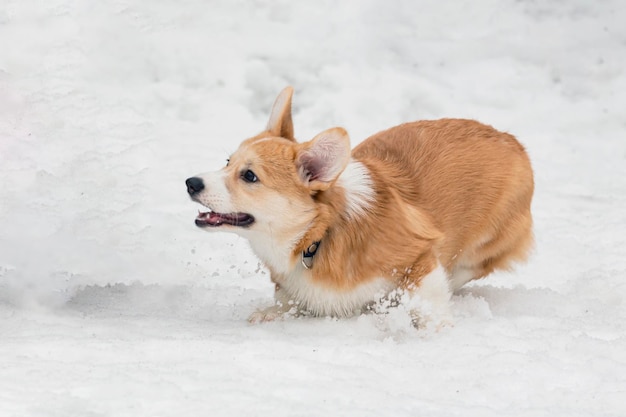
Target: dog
[419,210]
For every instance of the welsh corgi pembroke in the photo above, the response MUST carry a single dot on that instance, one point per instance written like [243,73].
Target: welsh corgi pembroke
[419,210]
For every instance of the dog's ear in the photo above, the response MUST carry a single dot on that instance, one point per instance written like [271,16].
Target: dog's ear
[280,123]
[321,160]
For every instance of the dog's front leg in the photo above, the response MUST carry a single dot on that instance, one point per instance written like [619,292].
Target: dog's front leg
[283,305]
[429,300]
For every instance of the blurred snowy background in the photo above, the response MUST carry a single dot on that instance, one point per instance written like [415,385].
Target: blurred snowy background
[113,303]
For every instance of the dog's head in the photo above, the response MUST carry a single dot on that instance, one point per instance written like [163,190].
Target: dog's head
[269,183]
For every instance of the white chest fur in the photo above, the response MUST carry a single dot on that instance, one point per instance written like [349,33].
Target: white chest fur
[299,288]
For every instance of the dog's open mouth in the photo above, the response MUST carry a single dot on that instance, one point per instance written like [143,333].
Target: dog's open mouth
[213,219]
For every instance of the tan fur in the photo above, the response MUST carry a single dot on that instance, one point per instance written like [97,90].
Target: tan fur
[475,183]
[448,192]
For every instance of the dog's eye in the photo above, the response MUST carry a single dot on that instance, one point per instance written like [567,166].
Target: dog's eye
[227,162]
[249,176]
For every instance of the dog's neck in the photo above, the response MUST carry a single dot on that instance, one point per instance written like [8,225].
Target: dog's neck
[349,198]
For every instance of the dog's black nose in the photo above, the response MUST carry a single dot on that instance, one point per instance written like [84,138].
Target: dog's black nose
[194,185]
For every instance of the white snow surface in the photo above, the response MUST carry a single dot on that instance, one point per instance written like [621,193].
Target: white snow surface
[112,303]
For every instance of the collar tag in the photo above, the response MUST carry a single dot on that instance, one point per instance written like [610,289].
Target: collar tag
[307,256]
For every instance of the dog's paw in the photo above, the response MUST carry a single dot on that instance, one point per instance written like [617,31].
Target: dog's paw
[267,314]
[430,320]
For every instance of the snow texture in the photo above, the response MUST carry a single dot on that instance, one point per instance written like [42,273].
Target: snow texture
[112,303]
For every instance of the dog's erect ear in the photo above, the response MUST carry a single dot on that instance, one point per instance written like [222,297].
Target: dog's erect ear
[280,123]
[321,160]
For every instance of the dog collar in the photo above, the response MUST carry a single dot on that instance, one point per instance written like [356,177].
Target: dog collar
[308,254]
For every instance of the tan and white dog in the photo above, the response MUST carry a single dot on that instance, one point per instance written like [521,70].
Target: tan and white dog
[419,209]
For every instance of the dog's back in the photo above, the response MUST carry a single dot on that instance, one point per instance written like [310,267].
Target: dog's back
[475,182]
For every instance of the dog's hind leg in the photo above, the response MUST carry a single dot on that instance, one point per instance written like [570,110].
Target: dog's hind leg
[511,245]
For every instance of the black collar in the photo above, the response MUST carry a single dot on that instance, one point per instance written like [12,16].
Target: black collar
[308,254]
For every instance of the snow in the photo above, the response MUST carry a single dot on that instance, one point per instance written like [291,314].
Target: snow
[112,303]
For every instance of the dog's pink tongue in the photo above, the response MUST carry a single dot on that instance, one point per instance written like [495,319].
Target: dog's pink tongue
[215,219]
[210,218]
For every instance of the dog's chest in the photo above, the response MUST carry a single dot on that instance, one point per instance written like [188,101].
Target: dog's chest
[321,299]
